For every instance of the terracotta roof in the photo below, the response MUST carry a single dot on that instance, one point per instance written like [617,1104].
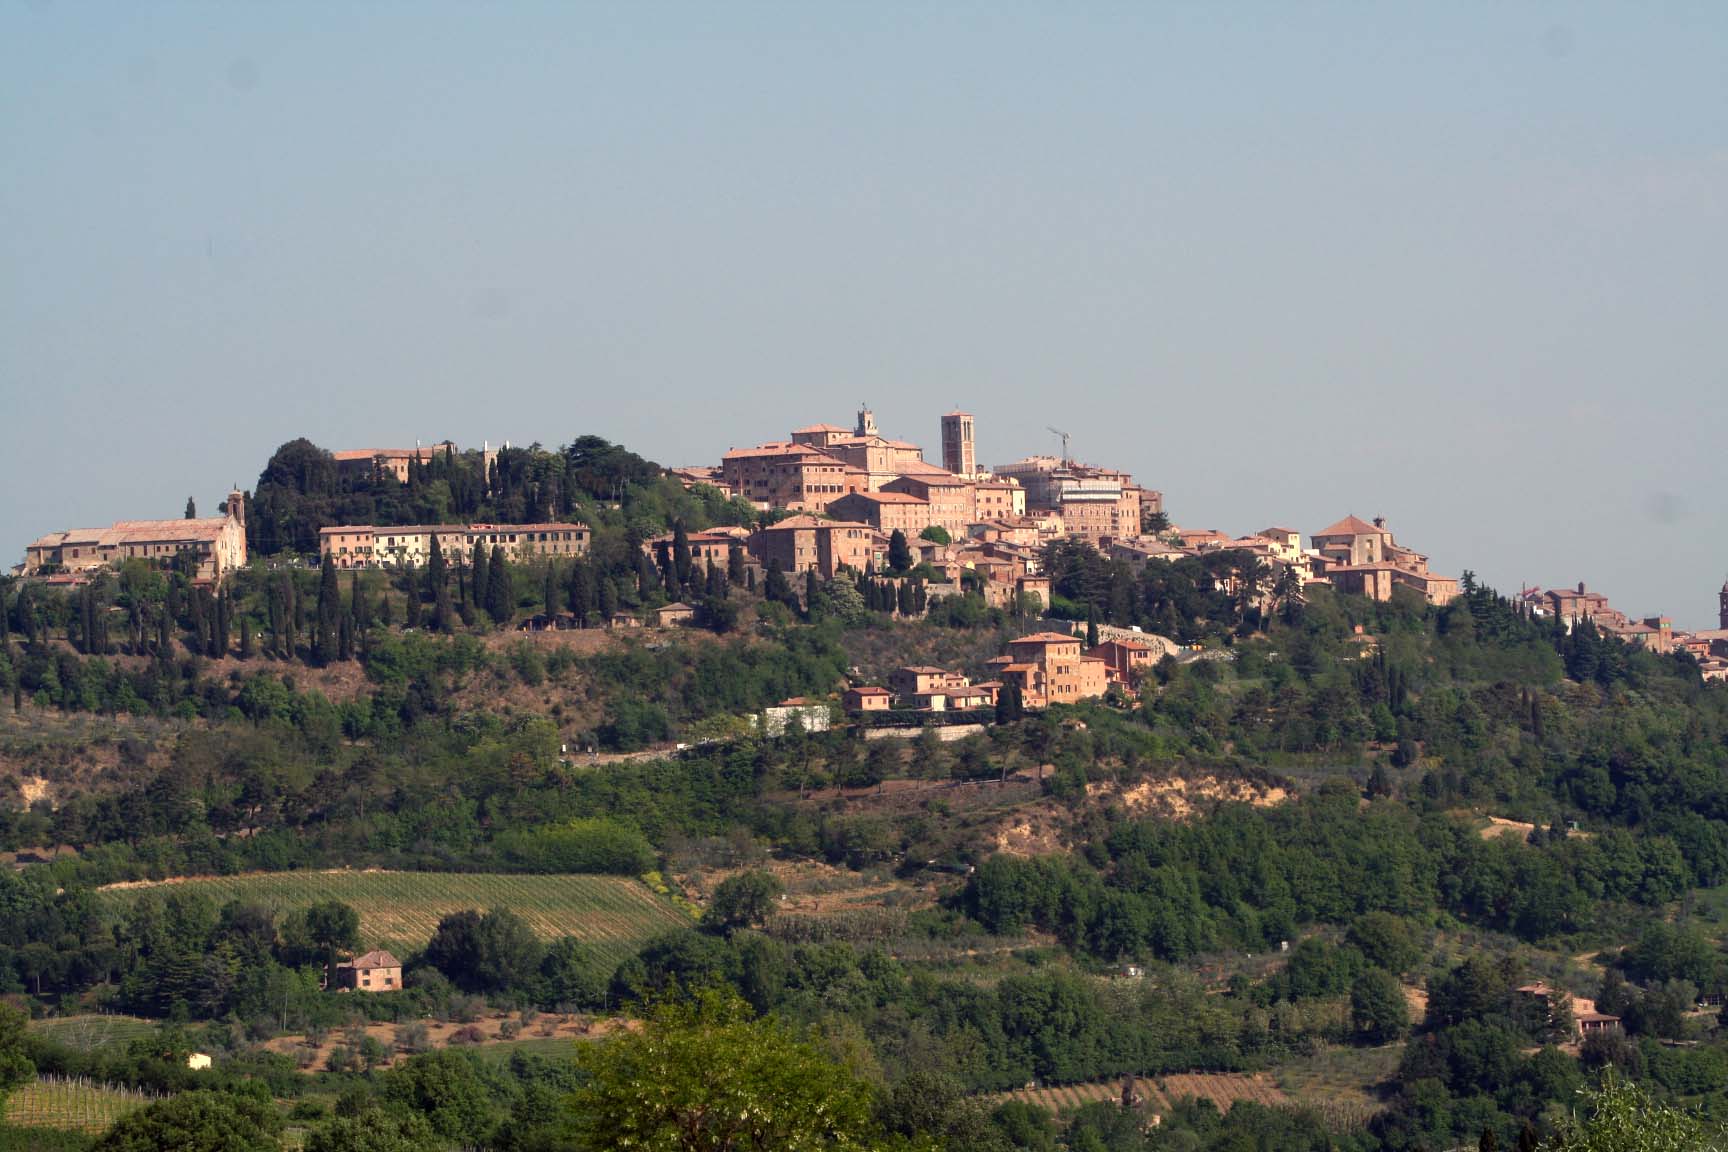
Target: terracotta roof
[377,958]
[778,448]
[1047,638]
[137,532]
[1351,526]
[819,428]
[924,670]
[887,497]
[1276,531]
[871,690]
[792,523]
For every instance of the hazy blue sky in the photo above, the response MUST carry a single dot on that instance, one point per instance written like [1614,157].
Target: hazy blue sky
[1464,266]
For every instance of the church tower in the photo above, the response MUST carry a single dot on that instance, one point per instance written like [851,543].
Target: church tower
[866,421]
[1722,605]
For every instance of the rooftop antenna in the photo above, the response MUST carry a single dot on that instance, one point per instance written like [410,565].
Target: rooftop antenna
[1064,436]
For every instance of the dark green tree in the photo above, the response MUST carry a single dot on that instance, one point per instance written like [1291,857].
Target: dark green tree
[325,633]
[899,552]
[500,595]
[198,1122]
[191,509]
[742,901]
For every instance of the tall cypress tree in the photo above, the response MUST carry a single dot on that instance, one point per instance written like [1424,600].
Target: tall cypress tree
[500,596]
[191,509]
[582,592]
[477,565]
[549,593]
[735,563]
[326,635]
[681,554]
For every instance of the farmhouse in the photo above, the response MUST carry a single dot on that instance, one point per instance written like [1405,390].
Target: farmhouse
[376,971]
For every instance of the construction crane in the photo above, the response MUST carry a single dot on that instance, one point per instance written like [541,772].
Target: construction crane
[1064,436]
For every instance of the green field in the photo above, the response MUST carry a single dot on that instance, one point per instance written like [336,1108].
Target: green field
[88,1033]
[70,1105]
[614,914]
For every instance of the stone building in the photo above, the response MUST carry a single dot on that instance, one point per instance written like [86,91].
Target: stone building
[388,463]
[1364,559]
[1049,668]
[376,971]
[410,545]
[804,543]
[215,546]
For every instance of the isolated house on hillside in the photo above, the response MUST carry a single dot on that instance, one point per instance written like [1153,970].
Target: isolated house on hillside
[375,971]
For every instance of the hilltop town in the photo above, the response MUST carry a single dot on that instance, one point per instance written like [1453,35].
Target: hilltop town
[831,502]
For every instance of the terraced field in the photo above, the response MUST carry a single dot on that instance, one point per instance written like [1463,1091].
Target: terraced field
[612,913]
[70,1105]
[1070,1097]
[1222,1088]
[90,1032]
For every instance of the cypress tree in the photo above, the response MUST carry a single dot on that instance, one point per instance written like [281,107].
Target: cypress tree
[224,623]
[903,598]
[325,636]
[500,596]
[345,637]
[477,565]
[647,579]
[608,601]
[362,602]
[245,639]
[1091,627]
[777,589]
[550,592]
[384,607]
[899,552]
[191,509]
[812,594]
[681,554]
[735,563]
[582,592]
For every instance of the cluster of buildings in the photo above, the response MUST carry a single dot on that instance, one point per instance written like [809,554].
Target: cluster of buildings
[840,495]
[1580,605]
[1046,668]
[860,476]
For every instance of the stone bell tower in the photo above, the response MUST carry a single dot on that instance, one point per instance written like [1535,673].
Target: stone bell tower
[1722,605]
[866,422]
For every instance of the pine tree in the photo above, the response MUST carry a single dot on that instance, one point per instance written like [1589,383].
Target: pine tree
[500,595]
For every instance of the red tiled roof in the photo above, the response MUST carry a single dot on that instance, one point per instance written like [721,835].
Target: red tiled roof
[377,958]
[1351,526]
[1047,638]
